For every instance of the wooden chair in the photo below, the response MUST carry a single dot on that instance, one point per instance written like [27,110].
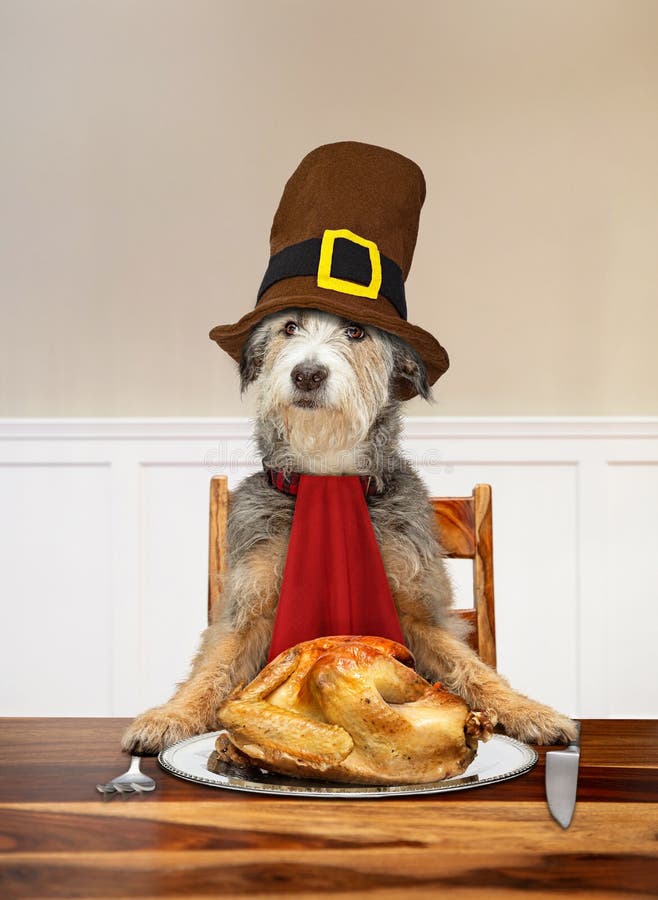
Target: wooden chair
[465,529]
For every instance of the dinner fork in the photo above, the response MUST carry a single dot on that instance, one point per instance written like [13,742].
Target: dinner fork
[132,781]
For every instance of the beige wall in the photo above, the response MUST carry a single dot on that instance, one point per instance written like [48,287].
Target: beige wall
[144,146]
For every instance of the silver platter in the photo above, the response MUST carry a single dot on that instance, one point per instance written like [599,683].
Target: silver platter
[499,759]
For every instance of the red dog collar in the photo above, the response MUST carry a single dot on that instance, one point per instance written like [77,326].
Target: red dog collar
[289,483]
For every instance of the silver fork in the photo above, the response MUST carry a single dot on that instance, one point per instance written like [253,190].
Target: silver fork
[132,781]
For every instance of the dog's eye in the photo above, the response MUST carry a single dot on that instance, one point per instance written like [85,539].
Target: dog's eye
[355,332]
[291,328]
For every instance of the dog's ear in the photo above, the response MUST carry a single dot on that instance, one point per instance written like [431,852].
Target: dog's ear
[251,360]
[409,375]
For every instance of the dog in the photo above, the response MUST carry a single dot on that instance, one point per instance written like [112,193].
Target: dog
[328,403]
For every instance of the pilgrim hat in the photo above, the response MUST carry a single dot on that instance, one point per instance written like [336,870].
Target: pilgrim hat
[342,241]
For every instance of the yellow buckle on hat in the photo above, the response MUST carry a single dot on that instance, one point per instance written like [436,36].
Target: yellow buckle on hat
[325,278]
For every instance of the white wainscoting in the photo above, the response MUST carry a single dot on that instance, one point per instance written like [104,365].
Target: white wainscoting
[103,553]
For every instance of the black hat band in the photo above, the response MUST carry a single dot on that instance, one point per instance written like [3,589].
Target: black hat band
[351,263]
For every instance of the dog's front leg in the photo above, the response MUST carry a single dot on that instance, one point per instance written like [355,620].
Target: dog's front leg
[222,663]
[459,668]
[233,649]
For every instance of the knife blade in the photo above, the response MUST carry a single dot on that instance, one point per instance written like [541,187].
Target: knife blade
[562,780]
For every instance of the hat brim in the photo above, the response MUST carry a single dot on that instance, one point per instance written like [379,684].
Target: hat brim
[303,292]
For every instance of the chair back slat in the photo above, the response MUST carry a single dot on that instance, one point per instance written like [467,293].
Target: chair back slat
[455,518]
[217,542]
[483,584]
[465,532]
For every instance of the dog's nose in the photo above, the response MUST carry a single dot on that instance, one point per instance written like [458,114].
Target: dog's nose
[308,377]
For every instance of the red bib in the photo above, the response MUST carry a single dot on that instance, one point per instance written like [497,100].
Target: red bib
[334,580]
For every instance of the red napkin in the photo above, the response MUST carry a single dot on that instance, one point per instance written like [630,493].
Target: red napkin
[334,580]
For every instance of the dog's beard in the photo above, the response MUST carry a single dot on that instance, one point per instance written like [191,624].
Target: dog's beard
[322,437]
[324,429]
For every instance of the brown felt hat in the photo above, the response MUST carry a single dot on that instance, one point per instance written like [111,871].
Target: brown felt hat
[342,241]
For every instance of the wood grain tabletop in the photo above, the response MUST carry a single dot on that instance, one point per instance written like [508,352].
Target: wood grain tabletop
[59,838]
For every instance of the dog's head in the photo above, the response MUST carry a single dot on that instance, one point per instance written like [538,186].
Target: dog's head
[324,379]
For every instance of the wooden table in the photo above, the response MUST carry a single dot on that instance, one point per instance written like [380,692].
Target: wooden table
[59,838]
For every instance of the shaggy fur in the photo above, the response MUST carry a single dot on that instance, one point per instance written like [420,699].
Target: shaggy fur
[350,424]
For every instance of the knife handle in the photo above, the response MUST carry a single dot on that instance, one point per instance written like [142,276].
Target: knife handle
[574,745]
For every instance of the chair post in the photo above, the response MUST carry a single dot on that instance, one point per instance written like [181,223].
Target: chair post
[217,541]
[483,574]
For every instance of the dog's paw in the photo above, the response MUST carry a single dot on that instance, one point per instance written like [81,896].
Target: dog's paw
[535,723]
[158,728]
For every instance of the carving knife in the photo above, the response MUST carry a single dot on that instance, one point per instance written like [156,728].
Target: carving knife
[562,780]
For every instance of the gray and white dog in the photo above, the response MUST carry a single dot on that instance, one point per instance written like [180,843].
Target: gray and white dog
[326,392]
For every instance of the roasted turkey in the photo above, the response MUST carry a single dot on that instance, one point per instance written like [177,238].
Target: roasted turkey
[348,709]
